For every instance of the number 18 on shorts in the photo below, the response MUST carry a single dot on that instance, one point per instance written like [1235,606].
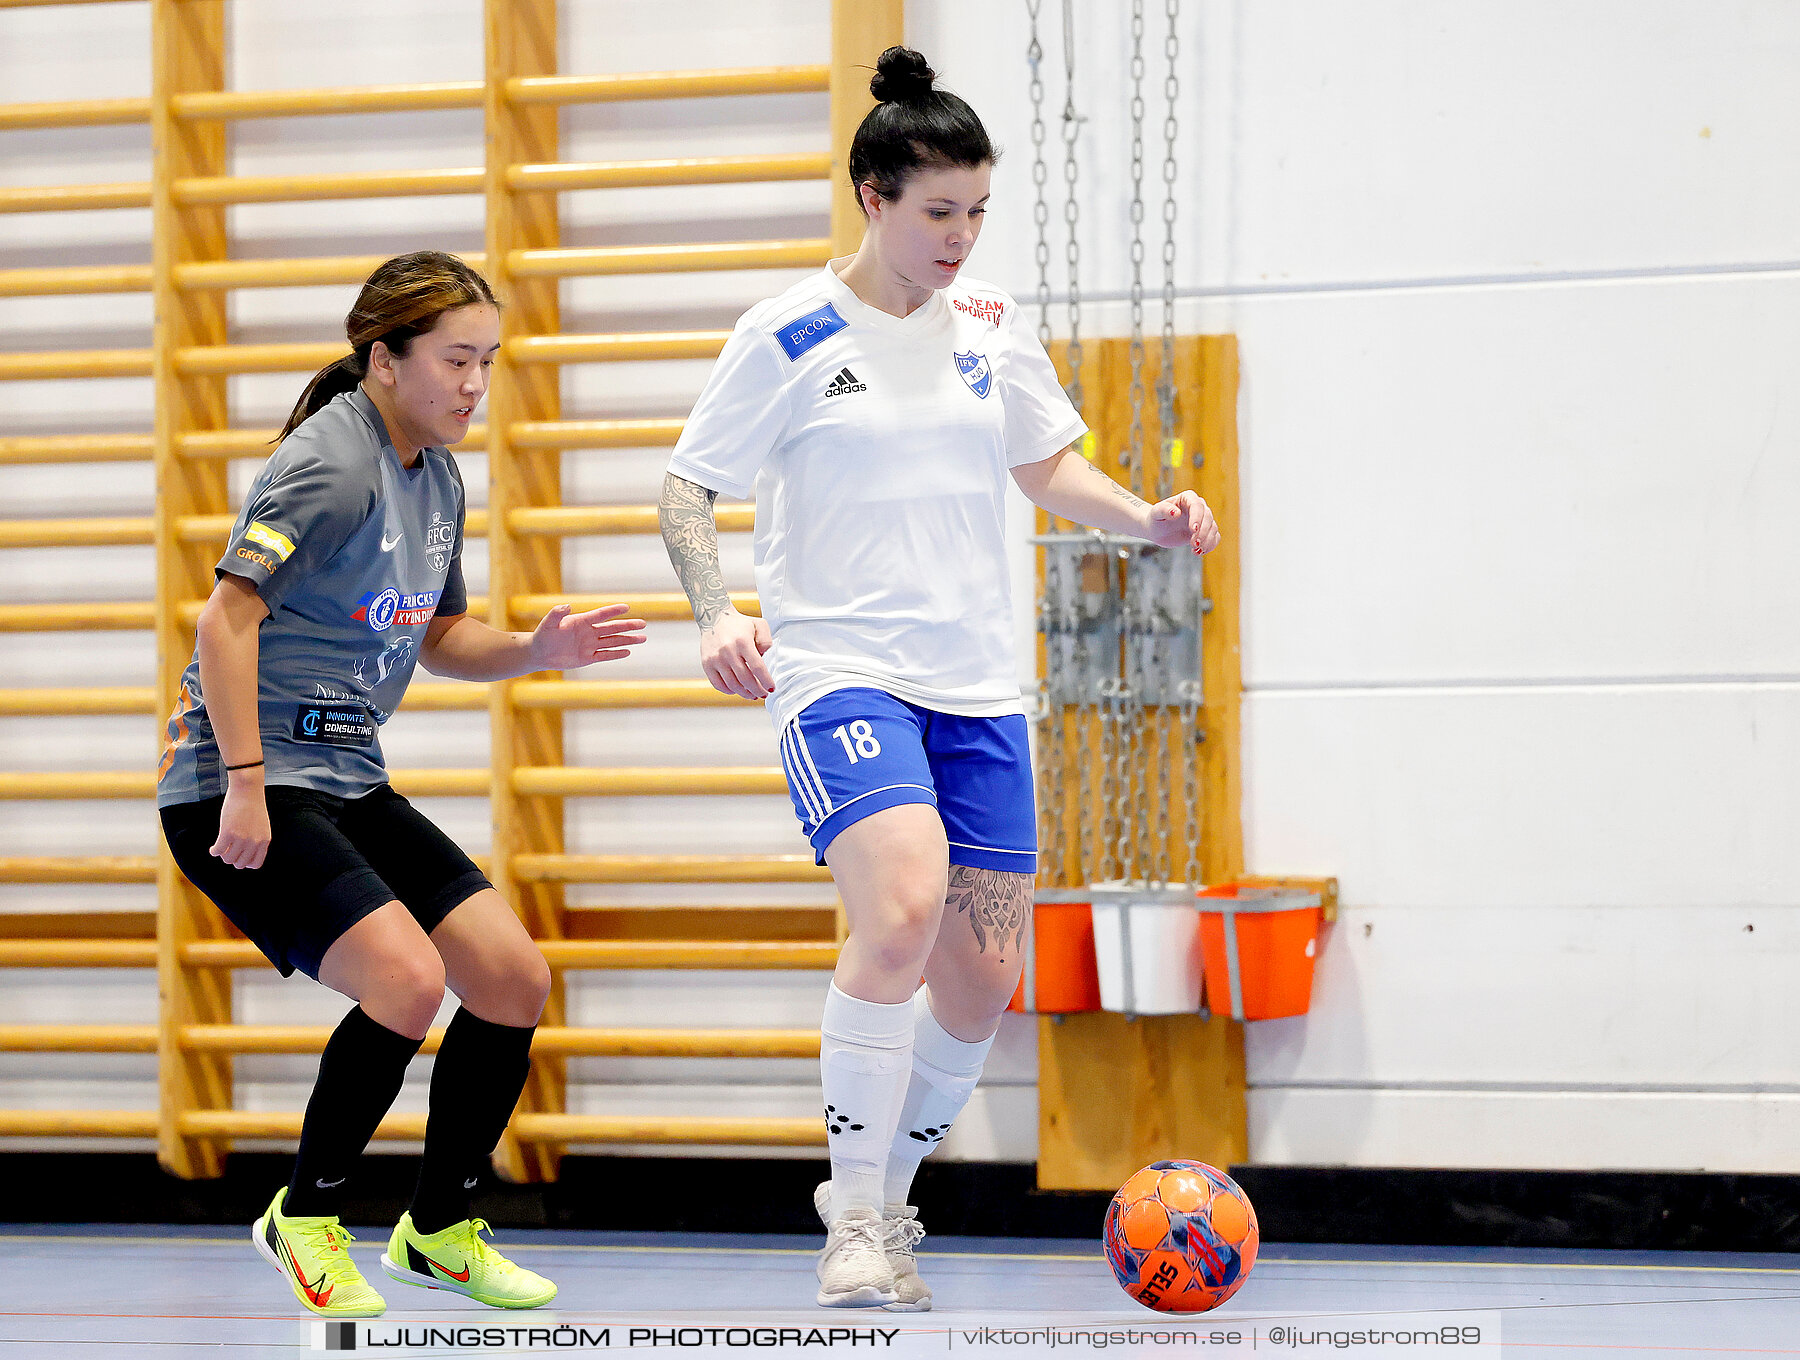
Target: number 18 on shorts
[856,752]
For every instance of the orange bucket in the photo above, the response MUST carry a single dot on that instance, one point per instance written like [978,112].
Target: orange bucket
[1060,972]
[1258,950]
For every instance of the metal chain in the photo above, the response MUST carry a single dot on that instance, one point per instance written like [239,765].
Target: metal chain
[1086,830]
[1165,387]
[1165,776]
[1143,718]
[1133,457]
[1040,173]
[1122,781]
[1112,770]
[1052,785]
[1054,614]
[1055,752]
[1071,130]
[1189,690]
[1190,764]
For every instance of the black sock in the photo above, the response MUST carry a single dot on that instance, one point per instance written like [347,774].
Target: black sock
[359,1075]
[480,1070]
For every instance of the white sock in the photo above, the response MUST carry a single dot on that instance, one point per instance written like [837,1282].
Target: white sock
[863,1056]
[944,1072]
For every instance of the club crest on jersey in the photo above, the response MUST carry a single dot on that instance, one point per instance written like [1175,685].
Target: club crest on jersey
[440,538]
[381,611]
[803,332]
[975,372]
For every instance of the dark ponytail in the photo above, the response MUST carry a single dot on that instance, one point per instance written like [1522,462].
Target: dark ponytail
[915,126]
[403,299]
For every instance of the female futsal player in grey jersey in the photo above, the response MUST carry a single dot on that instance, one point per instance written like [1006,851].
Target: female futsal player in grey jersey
[343,572]
[877,408]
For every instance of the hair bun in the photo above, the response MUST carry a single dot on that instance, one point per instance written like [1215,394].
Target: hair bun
[901,76]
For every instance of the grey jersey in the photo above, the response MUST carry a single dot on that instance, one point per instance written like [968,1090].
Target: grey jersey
[353,554]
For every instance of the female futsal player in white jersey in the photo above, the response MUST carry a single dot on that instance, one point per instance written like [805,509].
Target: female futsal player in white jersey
[877,408]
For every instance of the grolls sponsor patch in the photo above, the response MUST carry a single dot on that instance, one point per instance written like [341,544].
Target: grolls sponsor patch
[333,725]
[382,610]
[262,560]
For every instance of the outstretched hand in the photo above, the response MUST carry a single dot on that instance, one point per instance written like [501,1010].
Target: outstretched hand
[563,640]
[1183,518]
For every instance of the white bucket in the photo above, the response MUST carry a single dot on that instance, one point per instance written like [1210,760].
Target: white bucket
[1147,946]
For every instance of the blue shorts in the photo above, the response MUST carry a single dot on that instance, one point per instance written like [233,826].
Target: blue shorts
[855,752]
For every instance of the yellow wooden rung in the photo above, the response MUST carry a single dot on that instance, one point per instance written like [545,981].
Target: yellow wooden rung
[725,955]
[123,616]
[77,869]
[647,780]
[78,1038]
[90,278]
[231,104]
[201,275]
[564,176]
[74,113]
[75,363]
[223,189]
[75,197]
[561,262]
[657,607]
[593,434]
[593,89]
[550,1040]
[669,869]
[740,1130]
[77,953]
[590,349]
[585,694]
[44,703]
[74,533]
[38,784]
[78,1123]
[76,448]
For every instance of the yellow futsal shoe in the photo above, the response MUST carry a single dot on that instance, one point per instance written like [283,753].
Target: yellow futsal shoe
[314,1255]
[457,1259]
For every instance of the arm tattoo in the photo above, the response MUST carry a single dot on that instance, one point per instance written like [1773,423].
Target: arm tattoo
[1124,493]
[691,535]
[998,903]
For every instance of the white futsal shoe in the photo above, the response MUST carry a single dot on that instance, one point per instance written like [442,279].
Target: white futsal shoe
[853,1269]
[900,1234]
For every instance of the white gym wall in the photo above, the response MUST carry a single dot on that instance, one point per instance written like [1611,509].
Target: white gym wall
[1514,282]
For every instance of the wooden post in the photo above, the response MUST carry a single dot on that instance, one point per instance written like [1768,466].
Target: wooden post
[1116,1093]
[861,30]
[188,55]
[521,41]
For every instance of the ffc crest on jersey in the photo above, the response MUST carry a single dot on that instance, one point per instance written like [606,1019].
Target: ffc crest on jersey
[975,372]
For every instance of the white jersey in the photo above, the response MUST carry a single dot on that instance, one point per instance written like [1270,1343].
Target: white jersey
[878,448]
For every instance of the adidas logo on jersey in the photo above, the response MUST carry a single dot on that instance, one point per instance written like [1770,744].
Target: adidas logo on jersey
[844,384]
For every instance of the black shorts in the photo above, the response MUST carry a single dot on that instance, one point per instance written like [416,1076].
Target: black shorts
[331,862]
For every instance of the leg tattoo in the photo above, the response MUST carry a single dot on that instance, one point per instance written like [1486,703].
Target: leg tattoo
[996,901]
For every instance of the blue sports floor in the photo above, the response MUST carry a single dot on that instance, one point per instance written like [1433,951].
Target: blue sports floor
[150,1293]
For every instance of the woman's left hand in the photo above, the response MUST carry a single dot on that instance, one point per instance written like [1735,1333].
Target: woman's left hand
[563,640]
[1183,518]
